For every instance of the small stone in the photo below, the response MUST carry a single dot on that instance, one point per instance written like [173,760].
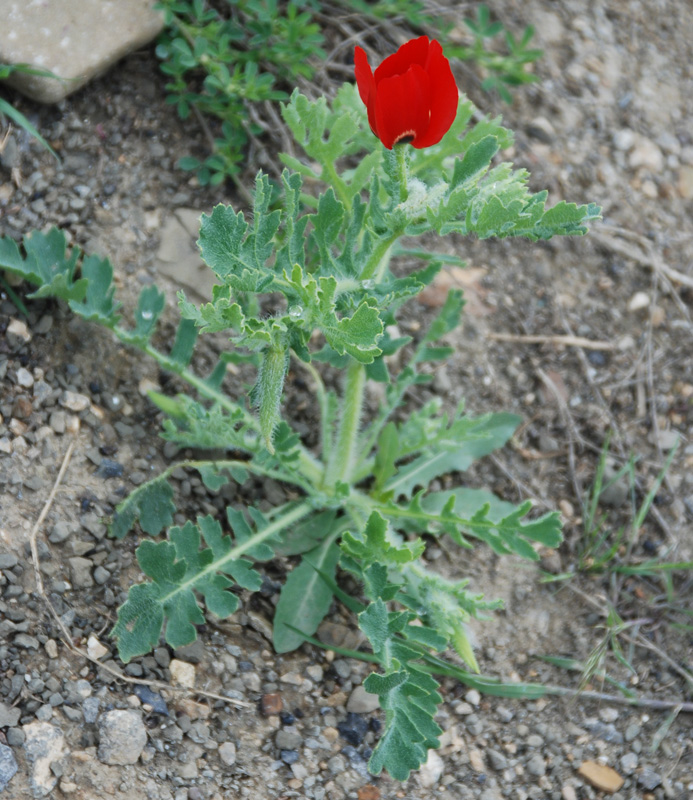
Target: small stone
[542,130]
[353,729]
[8,560]
[685,183]
[74,402]
[368,792]
[90,709]
[362,702]
[182,673]
[101,575]
[44,745]
[8,766]
[51,648]
[648,155]
[227,753]
[476,761]
[536,765]
[667,438]
[632,732]
[95,649]
[122,737]
[288,739]
[649,779]
[568,792]
[9,716]
[25,378]
[17,331]
[638,301]
[432,771]
[80,570]
[497,760]
[292,678]
[624,139]
[315,673]
[271,704]
[608,714]
[629,763]
[26,641]
[601,777]
[58,421]
[192,653]
[473,697]
[162,657]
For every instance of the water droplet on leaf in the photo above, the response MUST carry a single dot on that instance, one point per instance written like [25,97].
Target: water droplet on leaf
[147,314]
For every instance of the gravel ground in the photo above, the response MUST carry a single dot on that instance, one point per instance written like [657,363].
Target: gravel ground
[609,122]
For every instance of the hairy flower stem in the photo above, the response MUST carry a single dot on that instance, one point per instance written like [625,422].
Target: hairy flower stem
[402,153]
[344,454]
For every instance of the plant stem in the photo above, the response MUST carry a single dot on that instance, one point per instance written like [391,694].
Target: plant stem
[343,456]
[402,154]
[380,258]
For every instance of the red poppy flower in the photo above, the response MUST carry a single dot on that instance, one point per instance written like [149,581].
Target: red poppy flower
[412,97]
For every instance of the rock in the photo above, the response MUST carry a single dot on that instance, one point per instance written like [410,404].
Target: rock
[25,378]
[271,704]
[95,649]
[667,438]
[8,766]
[354,729]
[497,760]
[568,792]
[74,39]
[536,765]
[182,673]
[629,763]
[288,739]
[73,401]
[638,301]
[80,570]
[8,561]
[90,709]
[646,154]
[17,332]
[227,753]
[649,779]
[44,745]
[685,183]
[122,737]
[362,702]
[601,777]
[432,771]
[192,653]
[178,256]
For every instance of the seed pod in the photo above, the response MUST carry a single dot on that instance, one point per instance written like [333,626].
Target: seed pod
[267,393]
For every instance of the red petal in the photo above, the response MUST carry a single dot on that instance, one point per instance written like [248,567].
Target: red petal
[365,83]
[364,74]
[413,52]
[443,98]
[401,106]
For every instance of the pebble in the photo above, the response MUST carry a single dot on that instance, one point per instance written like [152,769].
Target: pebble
[73,401]
[600,776]
[497,760]
[473,697]
[227,753]
[44,745]
[649,779]
[90,709]
[536,765]
[122,737]
[432,771]
[353,729]
[9,717]
[25,378]
[639,301]
[80,571]
[95,649]
[632,732]
[288,739]
[629,763]
[271,704]
[362,702]
[8,766]
[182,673]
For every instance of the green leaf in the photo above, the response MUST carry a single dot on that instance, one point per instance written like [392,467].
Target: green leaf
[267,392]
[406,692]
[98,305]
[184,345]
[377,544]
[454,448]
[179,569]
[45,264]
[305,598]
[308,534]
[151,503]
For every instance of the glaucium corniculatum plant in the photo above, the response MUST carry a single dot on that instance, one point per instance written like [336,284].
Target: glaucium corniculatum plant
[326,241]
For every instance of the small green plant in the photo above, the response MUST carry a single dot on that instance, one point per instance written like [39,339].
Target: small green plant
[360,499]
[16,116]
[222,58]
[219,63]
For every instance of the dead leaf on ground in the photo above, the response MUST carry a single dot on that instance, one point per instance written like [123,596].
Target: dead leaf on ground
[469,280]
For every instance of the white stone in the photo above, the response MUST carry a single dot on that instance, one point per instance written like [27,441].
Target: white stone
[95,649]
[638,301]
[182,673]
[362,702]
[227,753]
[73,401]
[122,737]
[432,771]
